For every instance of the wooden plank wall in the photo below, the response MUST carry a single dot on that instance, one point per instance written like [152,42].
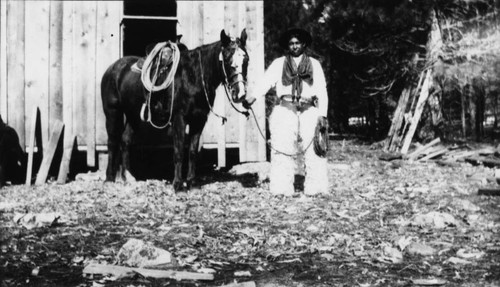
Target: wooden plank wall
[55,62]
[3,59]
[67,76]
[84,40]
[36,66]
[109,13]
[53,55]
[255,143]
[202,18]
[15,56]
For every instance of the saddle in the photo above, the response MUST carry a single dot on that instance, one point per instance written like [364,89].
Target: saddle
[161,63]
[165,62]
[137,66]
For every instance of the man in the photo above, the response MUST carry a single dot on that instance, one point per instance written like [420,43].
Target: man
[301,87]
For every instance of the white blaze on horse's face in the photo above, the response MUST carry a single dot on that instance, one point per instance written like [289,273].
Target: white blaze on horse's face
[238,64]
[235,64]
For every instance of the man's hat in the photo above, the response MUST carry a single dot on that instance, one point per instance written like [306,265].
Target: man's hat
[301,34]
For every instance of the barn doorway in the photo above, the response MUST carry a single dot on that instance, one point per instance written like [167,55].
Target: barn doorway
[147,22]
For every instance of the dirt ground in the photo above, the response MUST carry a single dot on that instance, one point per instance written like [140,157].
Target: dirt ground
[385,223]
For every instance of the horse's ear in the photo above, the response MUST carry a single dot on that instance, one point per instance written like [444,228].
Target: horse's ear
[225,39]
[243,38]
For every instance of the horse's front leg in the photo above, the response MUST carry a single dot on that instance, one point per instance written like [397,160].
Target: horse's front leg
[179,127]
[192,157]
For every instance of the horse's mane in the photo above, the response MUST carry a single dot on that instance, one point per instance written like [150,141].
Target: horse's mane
[209,61]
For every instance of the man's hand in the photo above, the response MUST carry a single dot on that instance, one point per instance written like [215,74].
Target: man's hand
[323,124]
[248,102]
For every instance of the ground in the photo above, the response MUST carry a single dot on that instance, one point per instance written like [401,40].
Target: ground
[385,223]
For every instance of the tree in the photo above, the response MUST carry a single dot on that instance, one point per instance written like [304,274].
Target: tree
[373,49]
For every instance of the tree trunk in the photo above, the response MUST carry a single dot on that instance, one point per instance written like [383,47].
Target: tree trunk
[472,112]
[480,98]
[463,98]
[495,111]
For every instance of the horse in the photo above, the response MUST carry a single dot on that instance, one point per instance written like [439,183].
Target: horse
[186,103]
[11,155]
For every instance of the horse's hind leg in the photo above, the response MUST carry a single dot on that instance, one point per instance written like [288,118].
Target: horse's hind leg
[179,128]
[114,127]
[127,138]
[192,157]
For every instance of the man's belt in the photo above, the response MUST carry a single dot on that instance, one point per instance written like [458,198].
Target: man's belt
[299,104]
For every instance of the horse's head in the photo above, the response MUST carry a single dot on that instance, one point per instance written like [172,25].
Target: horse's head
[234,58]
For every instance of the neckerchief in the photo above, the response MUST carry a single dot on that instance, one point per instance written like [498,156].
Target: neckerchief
[293,75]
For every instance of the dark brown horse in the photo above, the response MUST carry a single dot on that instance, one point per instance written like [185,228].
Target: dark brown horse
[11,156]
[200,71]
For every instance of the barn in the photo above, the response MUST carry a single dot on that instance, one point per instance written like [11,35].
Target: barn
[53,54]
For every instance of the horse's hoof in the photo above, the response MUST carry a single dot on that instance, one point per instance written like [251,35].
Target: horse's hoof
[129,178]
[108,181]
[193,186]
[181,195]
[178,187]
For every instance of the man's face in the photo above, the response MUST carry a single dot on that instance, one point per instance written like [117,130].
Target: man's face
[295,46]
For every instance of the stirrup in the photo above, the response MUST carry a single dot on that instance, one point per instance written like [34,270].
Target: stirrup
[143,114]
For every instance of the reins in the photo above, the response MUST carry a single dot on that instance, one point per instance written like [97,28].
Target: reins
[271,146]
[225,84]
[246,113]
[150,84]
[224,119]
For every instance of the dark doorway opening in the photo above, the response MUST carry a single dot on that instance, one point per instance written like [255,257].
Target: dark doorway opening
[147,22]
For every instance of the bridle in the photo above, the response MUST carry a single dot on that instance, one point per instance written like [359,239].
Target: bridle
[238,75]
[240,79]
[227,86]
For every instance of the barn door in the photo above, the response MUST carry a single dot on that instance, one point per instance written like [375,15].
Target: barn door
[147,22]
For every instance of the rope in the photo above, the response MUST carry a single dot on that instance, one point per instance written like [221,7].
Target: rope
[150,84]
[271,146]
[146,70]
[245,113]
[224,119]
